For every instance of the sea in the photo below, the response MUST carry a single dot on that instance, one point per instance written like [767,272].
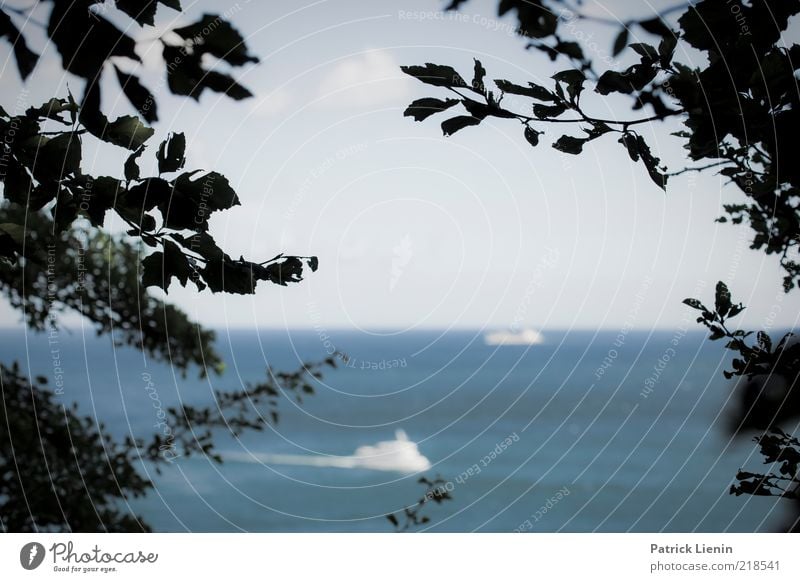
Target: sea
[580,431]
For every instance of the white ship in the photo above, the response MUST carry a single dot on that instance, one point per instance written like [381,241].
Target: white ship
[523,337]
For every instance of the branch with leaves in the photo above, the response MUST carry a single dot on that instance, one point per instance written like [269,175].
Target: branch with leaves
[771,395]
[436,490]
[253,408]
[741,111]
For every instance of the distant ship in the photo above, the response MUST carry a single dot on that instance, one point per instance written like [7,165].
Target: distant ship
[401,455]
[523,337]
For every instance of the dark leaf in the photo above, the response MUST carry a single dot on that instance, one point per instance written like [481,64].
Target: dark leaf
[225,84]
[764,341]
[645,50]
[631,144]
[425,107]
[215,36]
[159,268]
[53,109]
[621,41]
[452,125]
[98,196]
[532,135]
[666,48]
[131,165]
[139,96]
[532,90]
[569,144]
[479,74]
[61,155]
[85,40]
[571,49]
[548,111]
[722,299]
[128,131]
[26,59]
[192,201]
[438,75]
[573,79]
[694,304]
[170,154]
[656,26]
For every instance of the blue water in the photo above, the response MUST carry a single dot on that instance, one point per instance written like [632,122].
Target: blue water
[622,459]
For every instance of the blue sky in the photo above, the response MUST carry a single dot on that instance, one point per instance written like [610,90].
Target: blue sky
[414,230]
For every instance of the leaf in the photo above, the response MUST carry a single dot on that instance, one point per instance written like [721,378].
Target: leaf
[139,96]
[722,299]
[532,90]
[215,36]
[656,26]
[313,264]
[98,196]
[548,111]
[694,304]
[638,149]
[454,124]
[735,310]
[127,131]
[288,270]
[170,154]
[52,109]
[61,155]
[631,144]
[621,41]
[424,108]
[479,74]
[148,194]
[192,201]
[645,50]
[26,59]
[186,76]
[85,40]
[393,519]
[225,84]
[634,78]
[159,268]
[131,165]
[532,135]
[764,341]
[571,49]
[573,79]
[202,244]
[716,333]
[666,48]
[651,163]
[228,276]
[569,144]
[437,75]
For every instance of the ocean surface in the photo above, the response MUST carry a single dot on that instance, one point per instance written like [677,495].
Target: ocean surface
[587,431]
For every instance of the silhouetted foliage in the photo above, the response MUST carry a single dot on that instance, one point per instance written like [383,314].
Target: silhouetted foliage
[61,471]
[436,490]
[740,110]
[57,254]
[252,408]
[770,396]
[741,116]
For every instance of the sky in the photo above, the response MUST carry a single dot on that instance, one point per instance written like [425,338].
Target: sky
[414,230]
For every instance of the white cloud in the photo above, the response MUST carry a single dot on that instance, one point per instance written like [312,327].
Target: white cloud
[370,79]
[272,104]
